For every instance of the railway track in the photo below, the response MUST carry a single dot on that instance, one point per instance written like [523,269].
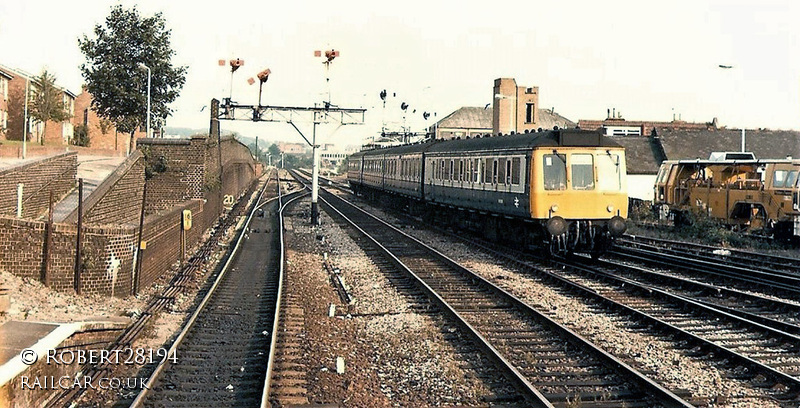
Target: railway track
[550,364]
[163,302]
[752,350]
[223,354]
[763,357]
[727,256]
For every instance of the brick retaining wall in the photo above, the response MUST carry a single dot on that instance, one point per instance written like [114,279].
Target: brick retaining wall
[56,173]
[112,216]
[118,199]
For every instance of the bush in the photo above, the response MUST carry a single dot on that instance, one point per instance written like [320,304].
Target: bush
[80,136]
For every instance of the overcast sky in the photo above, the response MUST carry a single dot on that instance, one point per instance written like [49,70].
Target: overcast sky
[646,60]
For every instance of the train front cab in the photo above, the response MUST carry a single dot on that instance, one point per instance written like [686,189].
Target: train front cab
[580,193]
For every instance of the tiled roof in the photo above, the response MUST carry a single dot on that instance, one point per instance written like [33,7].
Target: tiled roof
[766,144]
[549,118]
[469,117]
[638,154]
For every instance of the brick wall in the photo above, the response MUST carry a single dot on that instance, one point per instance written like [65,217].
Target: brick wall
[182,177]
[56,173]
[107,255]
[112,214]
[162,234]
[118,199]
[35,150]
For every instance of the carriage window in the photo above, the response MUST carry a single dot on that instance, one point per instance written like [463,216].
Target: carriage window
[555,172]
[501,177]
[452,167]
[791,179]
[515,171]
[779,178]
[475,170]
[484,169]
[582,166]
[494,171]
[610,172]
[508,172]
[461,170]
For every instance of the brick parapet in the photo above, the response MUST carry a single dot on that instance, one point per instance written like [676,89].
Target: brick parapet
[107,255]
[118,199]
[56,173]
[110,238]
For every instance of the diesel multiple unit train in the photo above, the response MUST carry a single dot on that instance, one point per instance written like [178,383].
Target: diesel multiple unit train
[564,188]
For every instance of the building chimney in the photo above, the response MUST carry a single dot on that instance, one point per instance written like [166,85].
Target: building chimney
[613,112]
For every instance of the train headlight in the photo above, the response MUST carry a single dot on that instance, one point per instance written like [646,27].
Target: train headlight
[610,208]
[554,208]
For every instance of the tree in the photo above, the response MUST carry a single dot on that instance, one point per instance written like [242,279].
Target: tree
[274,150]
[47,101]
[114,77]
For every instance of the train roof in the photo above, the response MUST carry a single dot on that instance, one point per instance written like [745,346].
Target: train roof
[519,141]
[756,162]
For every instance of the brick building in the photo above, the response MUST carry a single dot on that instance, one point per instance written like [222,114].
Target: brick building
[292,148]
[648,143]
[4,79]
[615,125]
[102,133]
[55,133]
[516,109]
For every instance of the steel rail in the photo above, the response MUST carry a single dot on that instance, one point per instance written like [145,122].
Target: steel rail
[140,398]
[792,382]
[653,389]
[265,403]
[762,258]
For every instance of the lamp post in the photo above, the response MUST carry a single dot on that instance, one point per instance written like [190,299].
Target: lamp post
[143,66]
[511,111]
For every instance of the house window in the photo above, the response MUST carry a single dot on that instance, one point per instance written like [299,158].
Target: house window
[528,113]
